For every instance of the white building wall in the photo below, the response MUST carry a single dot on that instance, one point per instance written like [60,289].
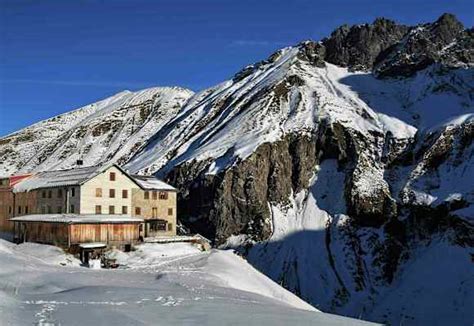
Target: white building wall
[89,200]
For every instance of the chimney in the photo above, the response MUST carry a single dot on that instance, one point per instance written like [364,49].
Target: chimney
[79,162]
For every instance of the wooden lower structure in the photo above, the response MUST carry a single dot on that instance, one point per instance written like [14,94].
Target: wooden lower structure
[70,231]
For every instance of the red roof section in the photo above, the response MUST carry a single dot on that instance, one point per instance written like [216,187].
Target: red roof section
[14,179]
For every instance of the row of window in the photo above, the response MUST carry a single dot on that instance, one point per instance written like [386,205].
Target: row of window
[98,209]
[19,210]
[59,193]
[59,209]
[138,210]
[44,209]
[47,209]
[155,195]
[98,193]
[162,195]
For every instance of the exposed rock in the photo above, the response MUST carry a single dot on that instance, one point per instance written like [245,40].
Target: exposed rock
[313,52]
[236,201]
[358,47]
[427,44]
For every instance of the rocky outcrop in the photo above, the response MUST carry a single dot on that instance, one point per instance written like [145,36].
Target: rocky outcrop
[427,44]
[395,50]
[235,201]
[359,47]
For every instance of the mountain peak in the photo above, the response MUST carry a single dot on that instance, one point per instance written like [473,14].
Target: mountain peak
[449,19]
[444,41]
[358,46]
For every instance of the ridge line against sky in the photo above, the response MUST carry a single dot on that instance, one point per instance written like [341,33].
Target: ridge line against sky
[56,56]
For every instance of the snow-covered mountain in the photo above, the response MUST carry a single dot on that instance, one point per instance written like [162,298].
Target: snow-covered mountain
[343,169]
[109,130]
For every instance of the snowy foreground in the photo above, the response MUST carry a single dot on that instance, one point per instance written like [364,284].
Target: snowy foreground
[160,285]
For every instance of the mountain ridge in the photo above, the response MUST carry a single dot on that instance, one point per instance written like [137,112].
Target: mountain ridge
[135,115]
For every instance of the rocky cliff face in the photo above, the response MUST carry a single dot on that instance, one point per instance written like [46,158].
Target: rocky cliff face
[393,50]
[361,46]
[426,44]
[342,169]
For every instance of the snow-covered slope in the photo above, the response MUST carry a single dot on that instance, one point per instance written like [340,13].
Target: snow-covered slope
[172,284]
[289,94]
[109,130]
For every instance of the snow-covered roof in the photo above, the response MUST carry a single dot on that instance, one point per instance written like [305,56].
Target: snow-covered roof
[77,218]
[152,183]
[77,176]
[59,178]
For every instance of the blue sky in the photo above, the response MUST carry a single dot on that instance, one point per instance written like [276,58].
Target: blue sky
[59,55]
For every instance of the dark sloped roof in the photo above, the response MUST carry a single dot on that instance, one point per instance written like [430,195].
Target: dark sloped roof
[59,178]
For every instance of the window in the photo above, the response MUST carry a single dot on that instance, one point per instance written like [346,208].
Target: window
[19,209]
[43,194]
[163,195]
[124,193]
[170,211]
[138,211]
[60,193]
[26,209]
[49,209]
[71,209]
[159,225]
[98,209]
[112,176]
[155,195]
[147,195]
[43,210]
[50,194]
[170,226]
[98,192]
[154,212]
[73,192]
[9,210]
[124,210]
[112,193]
[111,209]
[59,211]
